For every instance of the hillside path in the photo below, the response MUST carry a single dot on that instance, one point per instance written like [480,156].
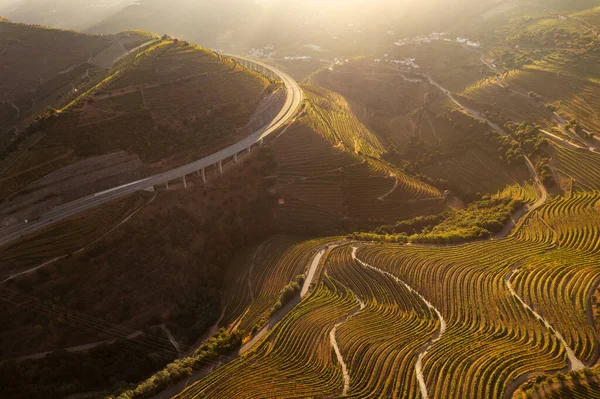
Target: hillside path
[423,351]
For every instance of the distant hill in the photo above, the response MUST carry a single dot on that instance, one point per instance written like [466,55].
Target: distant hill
[65,14]
[214,24]
[42,67]
[338,27]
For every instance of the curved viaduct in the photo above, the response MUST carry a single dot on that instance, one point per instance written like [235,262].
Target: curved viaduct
[294,97]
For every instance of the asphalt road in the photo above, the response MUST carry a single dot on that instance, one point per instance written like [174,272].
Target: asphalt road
[294,97]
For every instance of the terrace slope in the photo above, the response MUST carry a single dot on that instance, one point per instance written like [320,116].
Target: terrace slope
[436,273]
[331,175]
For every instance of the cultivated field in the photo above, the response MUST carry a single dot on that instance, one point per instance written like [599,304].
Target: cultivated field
[326,181]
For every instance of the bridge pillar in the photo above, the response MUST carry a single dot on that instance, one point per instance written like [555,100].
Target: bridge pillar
[235,158]
[262,141]
[184,182]
[221,167]
[203,176]
[249,149]
[167,185]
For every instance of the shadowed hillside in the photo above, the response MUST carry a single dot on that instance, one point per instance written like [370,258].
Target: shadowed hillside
[41,67]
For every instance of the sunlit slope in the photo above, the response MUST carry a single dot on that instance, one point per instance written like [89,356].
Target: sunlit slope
[330,115]
[502,103]
[490,338]
[167,106]
[566,223]
[380,343]
[565,81]
[296,357]
[577,96]
[331,171]
[367,313]
[577,171]
[420,127]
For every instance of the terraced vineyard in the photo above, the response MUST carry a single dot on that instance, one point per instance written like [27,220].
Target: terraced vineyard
[259,277]
[337,251]
[296,357]
[567,223]
[410,322]
[323,182]
[474,276]
[557,285]
[380,343]
[508,103]
[579,98]
[575,387]
[526,193]
[330,115]
[467,169]
[582,168]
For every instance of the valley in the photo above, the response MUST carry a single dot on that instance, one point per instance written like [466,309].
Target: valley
[410,211]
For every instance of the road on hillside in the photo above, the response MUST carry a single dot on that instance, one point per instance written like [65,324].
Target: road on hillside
[568,144]
[173,390]
[294,97]
[530,166]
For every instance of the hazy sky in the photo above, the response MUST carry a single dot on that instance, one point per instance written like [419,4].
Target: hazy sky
[238,24]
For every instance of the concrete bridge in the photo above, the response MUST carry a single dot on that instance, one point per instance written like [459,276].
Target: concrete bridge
[200,168]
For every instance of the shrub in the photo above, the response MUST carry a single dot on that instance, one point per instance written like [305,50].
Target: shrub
[223,342]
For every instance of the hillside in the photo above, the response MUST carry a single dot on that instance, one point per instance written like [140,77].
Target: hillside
[171,104]
[424,133]
[40,67]
[149,263]
[332,176]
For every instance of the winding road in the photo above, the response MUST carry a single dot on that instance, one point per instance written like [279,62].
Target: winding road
[543,191]
[294,98]
[336,348]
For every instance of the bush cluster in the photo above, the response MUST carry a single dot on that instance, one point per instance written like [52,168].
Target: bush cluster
[481,219]
[289,292]
[223,342]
